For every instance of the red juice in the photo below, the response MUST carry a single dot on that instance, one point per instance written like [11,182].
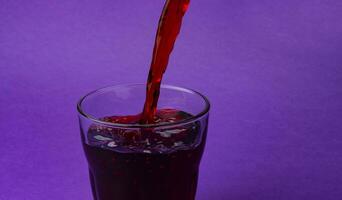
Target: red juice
[168,29]
[145,164]
[148,163]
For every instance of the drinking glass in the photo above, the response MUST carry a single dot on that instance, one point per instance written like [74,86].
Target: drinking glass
[143,161]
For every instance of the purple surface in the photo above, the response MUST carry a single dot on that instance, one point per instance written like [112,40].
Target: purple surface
[272,70]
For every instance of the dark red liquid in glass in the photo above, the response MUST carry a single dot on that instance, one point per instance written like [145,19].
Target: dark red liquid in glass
[169,26]
[145,164]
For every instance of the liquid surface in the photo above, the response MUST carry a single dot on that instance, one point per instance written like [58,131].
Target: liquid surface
[168,29]
[146,140]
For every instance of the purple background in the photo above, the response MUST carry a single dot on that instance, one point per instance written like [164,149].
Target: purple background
[272,70]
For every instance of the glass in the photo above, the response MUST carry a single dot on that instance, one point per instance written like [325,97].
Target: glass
[143,161]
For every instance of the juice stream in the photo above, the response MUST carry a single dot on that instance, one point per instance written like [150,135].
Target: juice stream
[169,27]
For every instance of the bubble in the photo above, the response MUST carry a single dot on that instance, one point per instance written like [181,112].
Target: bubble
[147,141]
[147,151]
[112,144]
[101,138]
[177,144]
[169,133]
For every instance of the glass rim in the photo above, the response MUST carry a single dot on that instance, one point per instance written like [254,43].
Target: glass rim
[191,119]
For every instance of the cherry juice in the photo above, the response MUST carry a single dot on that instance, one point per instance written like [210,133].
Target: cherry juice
[145,164]
[150,162]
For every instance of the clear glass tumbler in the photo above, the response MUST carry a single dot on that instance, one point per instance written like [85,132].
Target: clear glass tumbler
[132,161]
